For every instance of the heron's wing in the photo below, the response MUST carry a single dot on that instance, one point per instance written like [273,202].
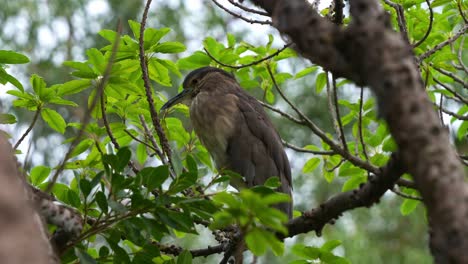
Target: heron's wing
[256,147]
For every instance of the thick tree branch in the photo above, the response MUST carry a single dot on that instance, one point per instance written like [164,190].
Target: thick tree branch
[23,238]
[368,194]
[370,53]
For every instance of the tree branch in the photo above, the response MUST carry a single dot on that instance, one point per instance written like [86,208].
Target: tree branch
[251,21]
[149,93]
[439,46]
[370,53]
[367,195]
[249,64]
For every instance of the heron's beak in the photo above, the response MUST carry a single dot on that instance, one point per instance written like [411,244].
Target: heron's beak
[175,100]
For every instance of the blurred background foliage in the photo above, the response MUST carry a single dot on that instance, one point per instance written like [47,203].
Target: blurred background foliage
[51,32]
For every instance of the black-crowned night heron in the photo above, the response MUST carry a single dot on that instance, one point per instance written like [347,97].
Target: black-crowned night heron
[235,129]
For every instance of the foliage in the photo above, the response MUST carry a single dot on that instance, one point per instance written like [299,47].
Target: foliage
[118,177]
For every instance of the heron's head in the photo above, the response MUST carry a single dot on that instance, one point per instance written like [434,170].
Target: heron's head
[195,82]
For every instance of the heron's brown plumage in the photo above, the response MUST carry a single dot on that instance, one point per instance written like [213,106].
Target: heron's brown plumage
[235,129]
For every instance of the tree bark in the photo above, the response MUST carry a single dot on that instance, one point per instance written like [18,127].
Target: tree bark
[22,238]
[370,53]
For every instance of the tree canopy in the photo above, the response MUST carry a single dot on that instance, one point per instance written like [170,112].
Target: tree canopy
[369,97]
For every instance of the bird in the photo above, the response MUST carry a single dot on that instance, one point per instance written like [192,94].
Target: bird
[235,129]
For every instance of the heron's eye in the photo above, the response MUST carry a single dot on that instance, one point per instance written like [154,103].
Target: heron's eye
[194,81]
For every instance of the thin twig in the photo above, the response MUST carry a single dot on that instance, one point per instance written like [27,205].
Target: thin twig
[461,12]
[441,101]
[448,112]
[283,114]
[406,196]
[460,55]
[330,105]
[431,20]
[251,21]
[322,135]
[33,122]
[149,96]
[250,10]
[106,123]
[457,95]
[249,64]
[361,137]
[337,112]
[443,44]
[406,183]
[337,165]
[139,140]
[156,148]
[303,150]
[109,131]
[451,75]
[400,19]
[87,115]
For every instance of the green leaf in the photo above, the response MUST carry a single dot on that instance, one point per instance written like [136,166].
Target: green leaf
[171,66]
[227,198]
[108,34]
[299,261]
[184,181]
[85,187]
[185,257]
[191,165]
[11,57]
[177,220]
[159,73]
[353,182]
[54,120]
[330,245]
[59,101]
[272,182]
[73,87]
[124,154]
[39,174]
[141,154]
[101,200]
[38,85]
[257,242]
[408,206]
[231,39]
[82,147]
[154,177]
[305,72]
[83,69]
[196,60]
[153,36]
[328,175]
[7,119]
[135,26]
[462,130]
[73,198]
[84,257]
[97,59]
[311,165]
[5,77]
[169,47]
[320,82]
[303,251]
